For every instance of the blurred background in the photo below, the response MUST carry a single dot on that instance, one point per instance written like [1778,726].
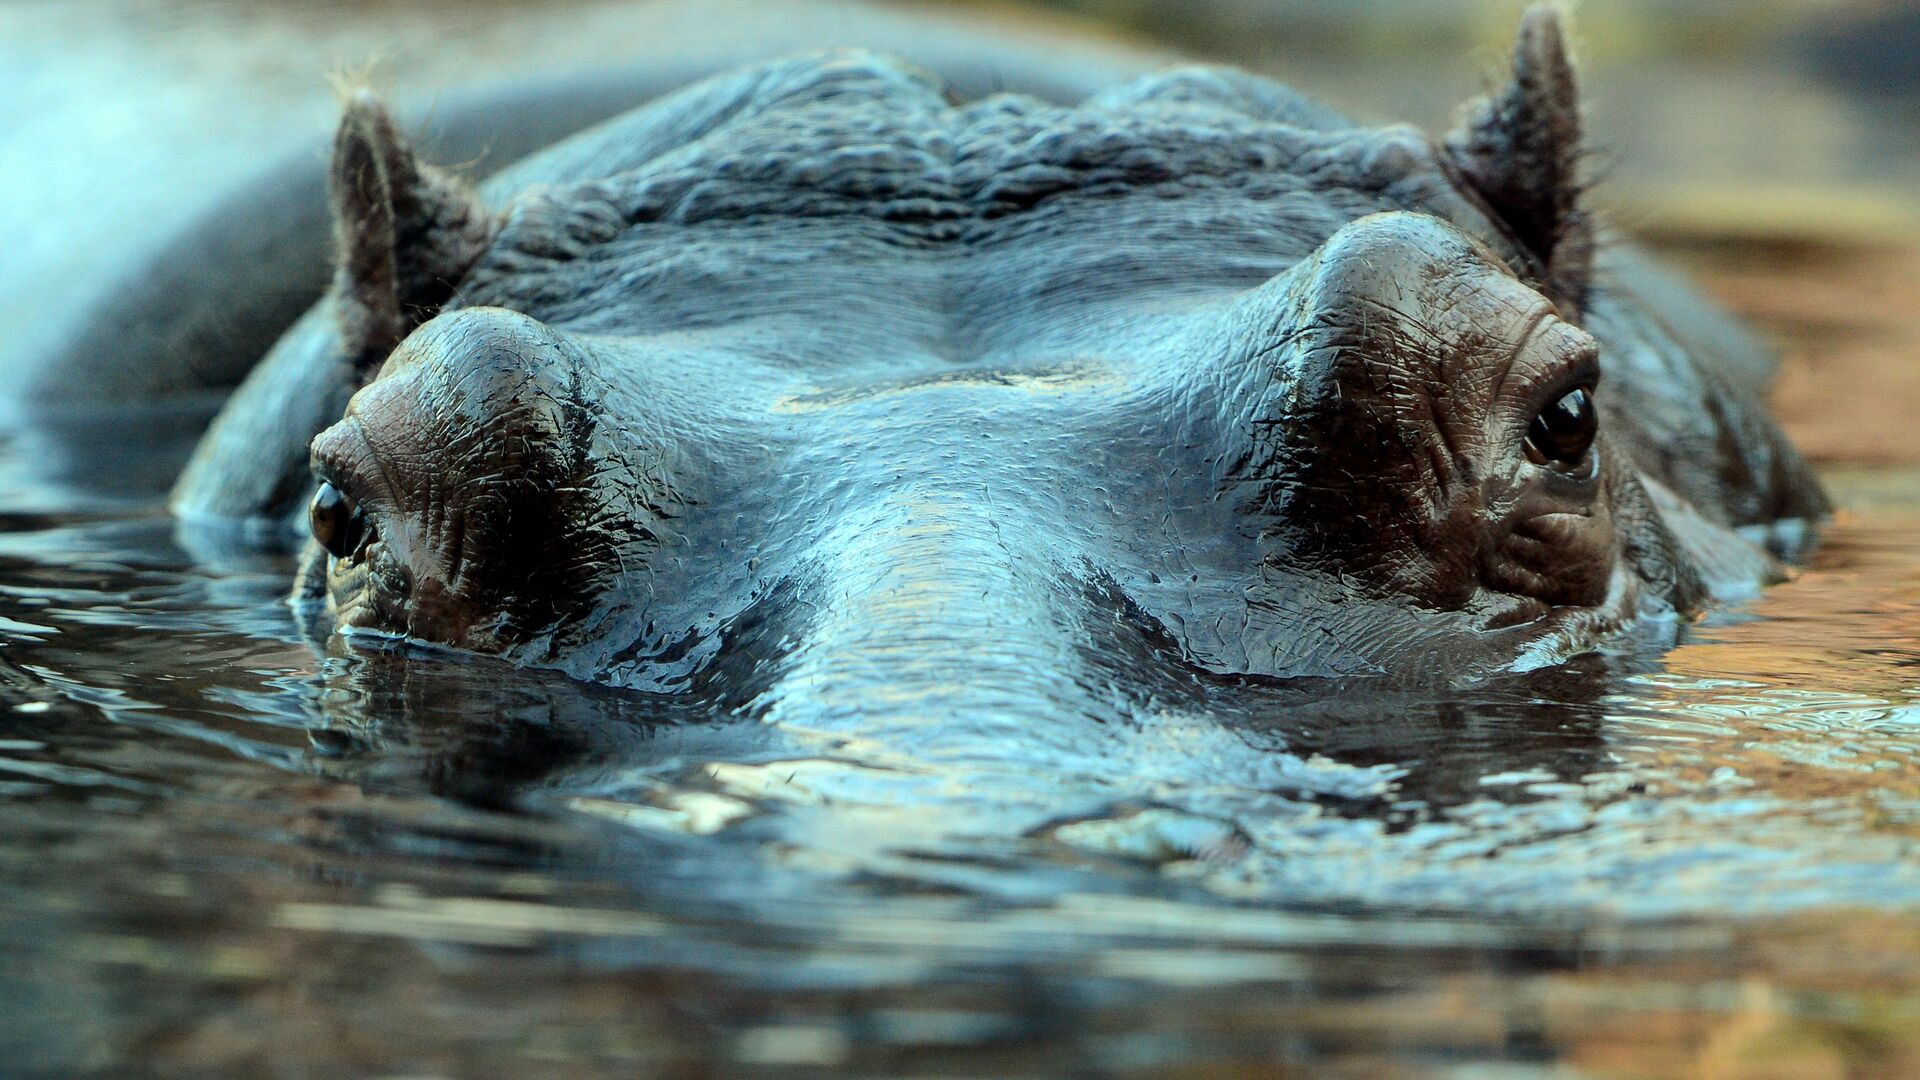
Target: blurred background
[1689,98]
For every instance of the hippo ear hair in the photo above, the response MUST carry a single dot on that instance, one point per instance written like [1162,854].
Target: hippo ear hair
[405,234]
[1520,149]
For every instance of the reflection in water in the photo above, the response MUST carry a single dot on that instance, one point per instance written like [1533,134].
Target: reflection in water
[226,848]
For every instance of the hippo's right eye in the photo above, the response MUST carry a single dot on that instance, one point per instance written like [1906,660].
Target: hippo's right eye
[337,522]
[1564,431]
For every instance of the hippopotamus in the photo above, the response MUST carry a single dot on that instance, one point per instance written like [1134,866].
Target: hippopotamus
[815,387]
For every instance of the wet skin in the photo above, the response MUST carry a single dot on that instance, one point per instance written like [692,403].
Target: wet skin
[850,400]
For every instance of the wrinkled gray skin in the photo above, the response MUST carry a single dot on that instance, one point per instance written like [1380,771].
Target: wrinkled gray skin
[203,308]
[812,391]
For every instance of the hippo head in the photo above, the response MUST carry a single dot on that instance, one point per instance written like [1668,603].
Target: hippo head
[837,395]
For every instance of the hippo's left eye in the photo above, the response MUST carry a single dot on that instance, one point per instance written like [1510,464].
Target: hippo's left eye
[1563,432]
[337,522]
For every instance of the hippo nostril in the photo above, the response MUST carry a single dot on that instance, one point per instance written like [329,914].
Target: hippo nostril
[337,522]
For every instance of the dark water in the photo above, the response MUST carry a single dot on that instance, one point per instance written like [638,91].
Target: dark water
[227,852]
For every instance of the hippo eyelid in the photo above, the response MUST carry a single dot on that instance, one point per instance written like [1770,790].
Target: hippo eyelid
[1584,374]
[360,473]
[1537,324]
[1542,384]
[326,472]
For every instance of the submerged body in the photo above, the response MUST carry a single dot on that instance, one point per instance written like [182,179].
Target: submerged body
[813,391]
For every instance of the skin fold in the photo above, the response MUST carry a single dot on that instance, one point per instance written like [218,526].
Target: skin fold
[813,391]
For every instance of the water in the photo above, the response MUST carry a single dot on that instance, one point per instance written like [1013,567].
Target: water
[229,851]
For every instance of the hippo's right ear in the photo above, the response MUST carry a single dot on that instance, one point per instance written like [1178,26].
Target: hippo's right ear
[404,233]
[1521,150]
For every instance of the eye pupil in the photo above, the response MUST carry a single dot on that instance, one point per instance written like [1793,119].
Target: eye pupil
[336,521]
[1563,432]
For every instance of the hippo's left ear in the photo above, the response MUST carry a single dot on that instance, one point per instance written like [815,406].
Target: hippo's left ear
[404,232]
[1520,150]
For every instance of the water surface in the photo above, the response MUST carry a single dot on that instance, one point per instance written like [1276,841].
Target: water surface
[230,850]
